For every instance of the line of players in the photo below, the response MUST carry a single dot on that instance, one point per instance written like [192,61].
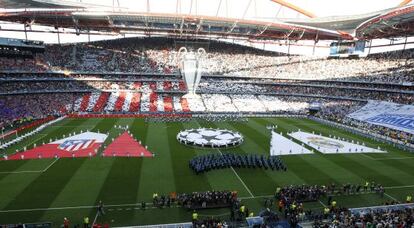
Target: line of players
[205,163]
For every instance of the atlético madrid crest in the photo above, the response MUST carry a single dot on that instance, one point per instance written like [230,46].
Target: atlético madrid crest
[76,144]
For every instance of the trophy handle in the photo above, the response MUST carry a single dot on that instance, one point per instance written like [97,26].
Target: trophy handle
[182,50]
[201,52]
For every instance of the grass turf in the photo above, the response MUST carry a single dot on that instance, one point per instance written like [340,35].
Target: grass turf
[54,189]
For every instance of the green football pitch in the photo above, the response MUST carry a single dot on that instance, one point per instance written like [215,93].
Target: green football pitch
[47,190]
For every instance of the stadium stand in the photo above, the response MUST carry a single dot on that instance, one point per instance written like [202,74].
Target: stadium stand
[382,216]
[331,80]
[156,54]
[337,102]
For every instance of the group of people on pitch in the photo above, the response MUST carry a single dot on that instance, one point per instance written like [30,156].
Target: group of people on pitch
[161,201]
[204,163]
[86,223]
[208,199]
[304,193]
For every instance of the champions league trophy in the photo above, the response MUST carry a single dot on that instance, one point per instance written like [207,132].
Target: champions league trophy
[191,69]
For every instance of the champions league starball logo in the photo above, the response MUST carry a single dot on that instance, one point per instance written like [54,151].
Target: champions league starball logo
[210,137]
[325,143]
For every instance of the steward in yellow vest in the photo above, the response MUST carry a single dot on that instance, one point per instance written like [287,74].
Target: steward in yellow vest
[409,199]
[333,204]
[86,222]
[195,216]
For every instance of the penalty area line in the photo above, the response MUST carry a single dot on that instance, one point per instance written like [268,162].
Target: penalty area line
[399,187]
[31,171]
[76,207]
[324,205]
[96,217]
[50,165]
[23,171]
[391,197]
[255,197]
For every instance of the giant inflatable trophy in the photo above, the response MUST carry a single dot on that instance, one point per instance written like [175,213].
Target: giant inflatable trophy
[191,69]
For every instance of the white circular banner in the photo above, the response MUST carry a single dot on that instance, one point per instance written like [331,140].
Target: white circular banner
[208,137]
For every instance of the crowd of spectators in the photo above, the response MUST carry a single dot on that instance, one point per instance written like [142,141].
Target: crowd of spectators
[209,223]
[161,200]
[16,107]
[159,55]
[338,113]
[290,199]
[290,203]
[305,193]
[213,88]
[351,93]
[33,106]
[405,137]
[334,111]
[373,78]
[39,104]
[383,217]
[205,163]
[301,193]
[208,82]
[209,199]
[291,208]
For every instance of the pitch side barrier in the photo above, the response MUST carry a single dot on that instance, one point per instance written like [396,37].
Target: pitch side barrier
[313,80]
[38,129]
[181,92]
[367,210]
[91,73]
[88,79]
[28,225]
[141,115]
[246,114]
[250,222]
[27,126]
[81,91]
[173,225]
[243,81]
[204,76]
[182,115]
[364,210]
[287,84]
[377,137]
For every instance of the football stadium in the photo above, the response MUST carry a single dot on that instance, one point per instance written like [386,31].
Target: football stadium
[206,113]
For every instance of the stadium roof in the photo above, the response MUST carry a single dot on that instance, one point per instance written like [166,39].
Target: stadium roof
[85,17]
[19,4]
[396,22]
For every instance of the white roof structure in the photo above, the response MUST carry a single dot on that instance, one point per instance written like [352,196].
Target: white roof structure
[253,22]
[254,19]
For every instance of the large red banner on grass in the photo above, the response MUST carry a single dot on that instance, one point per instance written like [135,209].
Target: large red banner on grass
[126,146]
[80,145]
